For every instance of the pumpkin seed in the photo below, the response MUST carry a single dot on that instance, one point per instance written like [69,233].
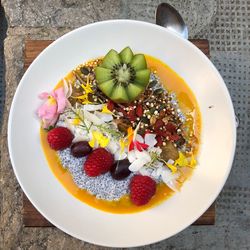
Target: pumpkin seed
[84,70]
[158,91]
[152,83]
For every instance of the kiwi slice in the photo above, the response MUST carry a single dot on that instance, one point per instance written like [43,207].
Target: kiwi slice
[107,87]
[122,76]
[134,90]
[126,55]
[119,94]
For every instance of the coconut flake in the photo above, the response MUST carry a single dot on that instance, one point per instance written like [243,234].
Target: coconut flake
[105,117]
[67,87]
[92,107]
[169,178]
[80,138]
[136,165]
[92,118]
[131,156]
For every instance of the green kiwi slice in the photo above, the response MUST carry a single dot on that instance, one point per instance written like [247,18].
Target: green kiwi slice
[142,76]
[111,59]
[107,87]
[126,55]
[122,77]
[103,74]
[119,94]
[134,90]
[138,62]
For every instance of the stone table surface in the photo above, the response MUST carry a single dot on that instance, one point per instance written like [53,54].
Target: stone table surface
[226,23]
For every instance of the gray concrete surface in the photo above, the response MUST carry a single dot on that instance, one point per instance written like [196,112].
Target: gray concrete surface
[226,23]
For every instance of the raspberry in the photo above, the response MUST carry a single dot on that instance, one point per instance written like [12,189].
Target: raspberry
[142,188]
[98,162]
[59,138]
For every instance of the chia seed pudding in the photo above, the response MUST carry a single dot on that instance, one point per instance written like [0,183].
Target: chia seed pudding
[103,186]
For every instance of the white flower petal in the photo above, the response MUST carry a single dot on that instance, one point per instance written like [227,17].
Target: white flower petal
[159,171]
[158,164]
[156,150]
[120,156]
[156,174]
[92,107]
[104,116]
[136,165]
[139,138]
[131,156]
[92,118]
[150,140]
[113,147]
[143,155]
[145,171]
[80,138]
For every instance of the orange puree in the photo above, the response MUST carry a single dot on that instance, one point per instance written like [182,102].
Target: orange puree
[172,82]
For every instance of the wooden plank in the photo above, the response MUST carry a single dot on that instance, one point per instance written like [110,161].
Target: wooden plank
[32,49]
[31,217]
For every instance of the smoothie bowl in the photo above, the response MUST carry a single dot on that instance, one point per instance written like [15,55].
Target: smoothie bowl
[134,131]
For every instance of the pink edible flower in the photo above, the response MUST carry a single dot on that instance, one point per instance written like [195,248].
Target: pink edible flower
[138,145]
[54,105]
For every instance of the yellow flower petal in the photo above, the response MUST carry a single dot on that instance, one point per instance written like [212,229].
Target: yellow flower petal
[102,140]
[193,162]
[123,144]
[106,110]
[181,161]
[76,121]
[87,87]
[86,102]
[81,97]
[92,142]
[172,167]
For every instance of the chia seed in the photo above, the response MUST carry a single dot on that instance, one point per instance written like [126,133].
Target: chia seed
[103,187]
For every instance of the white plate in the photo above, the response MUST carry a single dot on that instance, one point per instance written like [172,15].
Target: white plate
[80,220]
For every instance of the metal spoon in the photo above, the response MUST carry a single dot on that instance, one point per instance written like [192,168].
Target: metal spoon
[168,17]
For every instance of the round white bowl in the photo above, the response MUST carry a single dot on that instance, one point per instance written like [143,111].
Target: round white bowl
[75,217]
